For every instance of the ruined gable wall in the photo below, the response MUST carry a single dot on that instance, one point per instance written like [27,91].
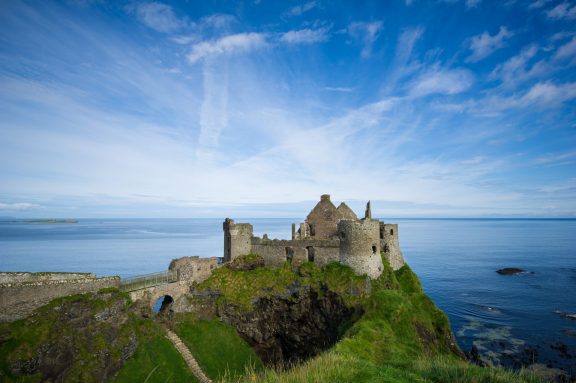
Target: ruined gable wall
[323,219]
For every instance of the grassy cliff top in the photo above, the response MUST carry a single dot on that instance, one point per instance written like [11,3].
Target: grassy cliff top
[401,337]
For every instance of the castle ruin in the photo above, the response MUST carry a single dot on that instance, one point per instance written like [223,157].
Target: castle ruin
[328,234]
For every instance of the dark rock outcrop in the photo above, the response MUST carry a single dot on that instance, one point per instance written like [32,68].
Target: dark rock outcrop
[512,271]
[294,327]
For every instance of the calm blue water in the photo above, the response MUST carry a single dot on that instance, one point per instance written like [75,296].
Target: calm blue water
[455,260]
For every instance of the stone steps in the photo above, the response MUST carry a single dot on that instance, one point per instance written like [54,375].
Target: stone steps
[188,357]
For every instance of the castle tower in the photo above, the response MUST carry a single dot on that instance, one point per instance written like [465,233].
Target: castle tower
[237,239]
[368,212]
[360,246]
[390,245]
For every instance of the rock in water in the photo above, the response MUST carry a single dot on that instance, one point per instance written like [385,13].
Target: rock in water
[511,271]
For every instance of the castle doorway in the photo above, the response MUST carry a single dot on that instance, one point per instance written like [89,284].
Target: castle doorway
[311,253]
[289,254]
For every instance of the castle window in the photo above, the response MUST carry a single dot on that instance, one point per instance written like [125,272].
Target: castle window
[391,231]
[310,251]
[374,249]
[312,229]
[289,254]
[342,235]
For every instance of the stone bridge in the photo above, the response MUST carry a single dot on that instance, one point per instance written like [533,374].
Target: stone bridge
[175,282]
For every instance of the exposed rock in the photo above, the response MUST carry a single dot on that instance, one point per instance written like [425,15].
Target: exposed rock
[565,315]
[512,271]
[286,329]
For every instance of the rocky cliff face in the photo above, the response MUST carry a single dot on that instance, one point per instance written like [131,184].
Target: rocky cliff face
[283,329]
[79,338]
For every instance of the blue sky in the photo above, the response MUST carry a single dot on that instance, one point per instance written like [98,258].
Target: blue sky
[255,108]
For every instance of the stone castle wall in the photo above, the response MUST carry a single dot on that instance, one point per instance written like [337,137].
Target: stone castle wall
[391,245]
[276,252]
[19,277]
[360,246]
[194,268]
[237,239]
[19,299]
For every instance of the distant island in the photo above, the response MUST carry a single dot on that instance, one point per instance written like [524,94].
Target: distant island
[51,221]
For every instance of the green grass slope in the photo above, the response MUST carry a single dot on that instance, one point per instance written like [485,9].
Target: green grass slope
[218,349]
[401,337]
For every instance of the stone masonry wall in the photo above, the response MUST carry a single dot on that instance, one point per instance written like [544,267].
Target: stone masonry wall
[391,245]
[19,277]
[194,268]
[19,300]
[237,237]
[360,246]
[274,251]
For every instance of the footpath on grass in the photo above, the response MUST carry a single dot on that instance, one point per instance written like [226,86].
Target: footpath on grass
[188,357]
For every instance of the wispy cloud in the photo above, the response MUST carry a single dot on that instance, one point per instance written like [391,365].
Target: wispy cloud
[567,50]
[538,4]
[305,36]
[442,81]
[472,3]
[300,9]
[159,16]
[338,89]
[18,206]
[231,44]
[484,45]
[557,159]
[562,11]
[367,33]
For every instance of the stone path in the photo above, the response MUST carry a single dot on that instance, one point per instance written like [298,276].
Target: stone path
[188,357]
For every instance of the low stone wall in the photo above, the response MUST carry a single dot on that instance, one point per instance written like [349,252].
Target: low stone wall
[19,277]
[18,300]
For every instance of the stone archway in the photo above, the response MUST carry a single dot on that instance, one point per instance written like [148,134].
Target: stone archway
[163,304]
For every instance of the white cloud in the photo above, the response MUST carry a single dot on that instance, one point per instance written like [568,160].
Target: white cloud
[557,158]
[339,89]
[562,11]
[18,206]
[231,44]
[515,69]
[474,160]
[214,111]
[305,36]
[159,16]
[567,50]
[547,93]
[484,45]
[472,3]
[300,9]
[541,94]
[442,81]
[538,4]
[367,33]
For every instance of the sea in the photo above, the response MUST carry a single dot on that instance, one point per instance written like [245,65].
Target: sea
[510,319]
